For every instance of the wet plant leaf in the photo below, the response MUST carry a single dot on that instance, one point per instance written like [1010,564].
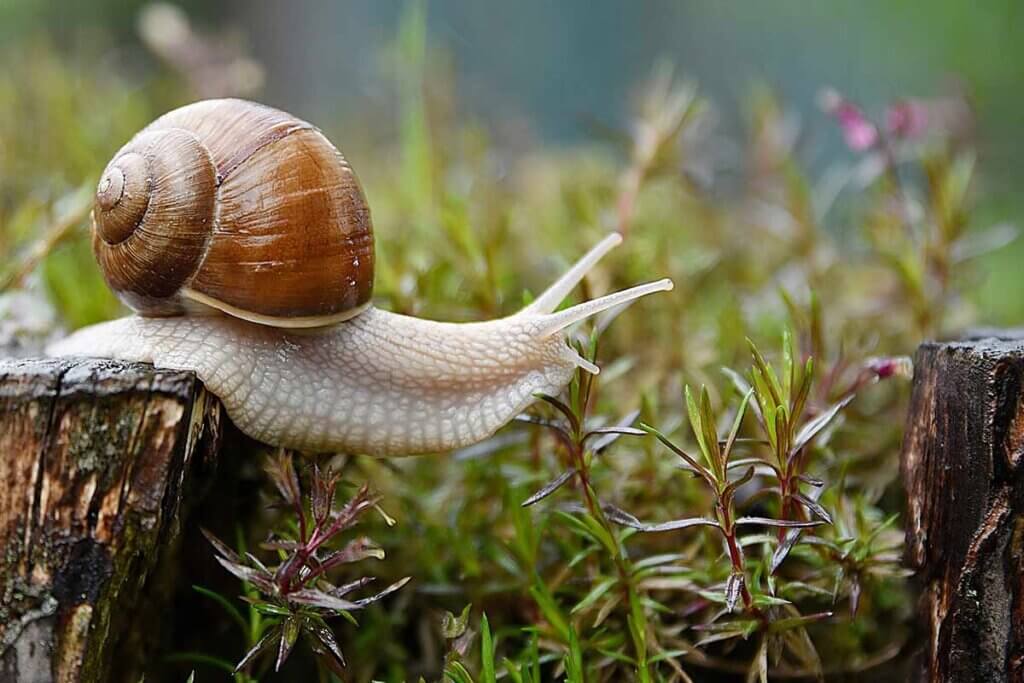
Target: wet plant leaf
[363,602]
[264,644]
[674,524]
[686,457]
[814,427]
[549,488]
[782,523]
[222,548]
[325,637]
[733,587]
[289,636]
[782,551]
[317,598]
[606,436]
[815,507]
[565,410]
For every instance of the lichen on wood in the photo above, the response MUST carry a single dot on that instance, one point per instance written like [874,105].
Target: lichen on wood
[98,460]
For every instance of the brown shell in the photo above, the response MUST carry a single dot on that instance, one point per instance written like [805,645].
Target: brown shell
[238,206]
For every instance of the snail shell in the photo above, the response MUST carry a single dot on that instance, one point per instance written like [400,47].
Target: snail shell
[237,206]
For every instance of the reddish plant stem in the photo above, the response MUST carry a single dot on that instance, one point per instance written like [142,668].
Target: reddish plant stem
[785,504]
[725,520]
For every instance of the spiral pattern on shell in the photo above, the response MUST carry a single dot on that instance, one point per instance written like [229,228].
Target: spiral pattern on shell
[237,206]
[154,215]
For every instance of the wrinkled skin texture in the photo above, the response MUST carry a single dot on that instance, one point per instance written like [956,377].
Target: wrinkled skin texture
[381,383]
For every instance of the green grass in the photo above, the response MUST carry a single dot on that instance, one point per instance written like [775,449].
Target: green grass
[571,587]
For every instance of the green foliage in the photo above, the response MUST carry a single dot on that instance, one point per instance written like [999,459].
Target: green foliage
[634,528]
[295,596]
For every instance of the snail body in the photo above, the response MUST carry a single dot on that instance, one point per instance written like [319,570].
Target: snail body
[328,371]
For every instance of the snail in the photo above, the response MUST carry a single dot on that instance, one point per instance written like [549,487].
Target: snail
[242,240]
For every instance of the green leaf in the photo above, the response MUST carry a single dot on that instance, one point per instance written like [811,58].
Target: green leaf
[595,594]
[695,423]
[289,635]
[768,375]
[707,418]
[534,659]
[637,623]
[736,423]
[804,390]
[264,644]
[759,666]
[454,626]
[812,428]
[457,673]
[549,488]
[657,561]
[686,457]
[765,600]
[270,608]
[512,672]
[721,635]
[742,387]
[729,491]
[782,433]
[574,659]
[766,404]
[487,674]
[599,532]
[230,609]
[549,608]
[666,655]
[562,408]
[797,622]
[788,366]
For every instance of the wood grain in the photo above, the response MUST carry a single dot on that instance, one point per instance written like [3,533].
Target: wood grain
[962,472]
[99,461]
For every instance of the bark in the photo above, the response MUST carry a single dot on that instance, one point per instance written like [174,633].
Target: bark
[100,462]
[962,470]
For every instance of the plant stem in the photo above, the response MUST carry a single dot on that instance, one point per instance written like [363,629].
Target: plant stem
[56,234]
[621,561]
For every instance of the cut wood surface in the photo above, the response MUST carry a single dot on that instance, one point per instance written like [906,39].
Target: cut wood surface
[99,463]
[962,469]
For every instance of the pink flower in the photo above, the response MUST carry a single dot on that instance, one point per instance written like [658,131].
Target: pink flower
[896,366]
[907,119]
[860,134]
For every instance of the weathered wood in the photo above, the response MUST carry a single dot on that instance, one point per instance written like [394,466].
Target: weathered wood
[98,463]
[962,470]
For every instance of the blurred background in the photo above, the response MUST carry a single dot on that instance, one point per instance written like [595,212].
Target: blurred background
[78,78]
[867,152]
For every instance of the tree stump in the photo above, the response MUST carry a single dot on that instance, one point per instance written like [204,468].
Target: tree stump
[962,470]
[99,463]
